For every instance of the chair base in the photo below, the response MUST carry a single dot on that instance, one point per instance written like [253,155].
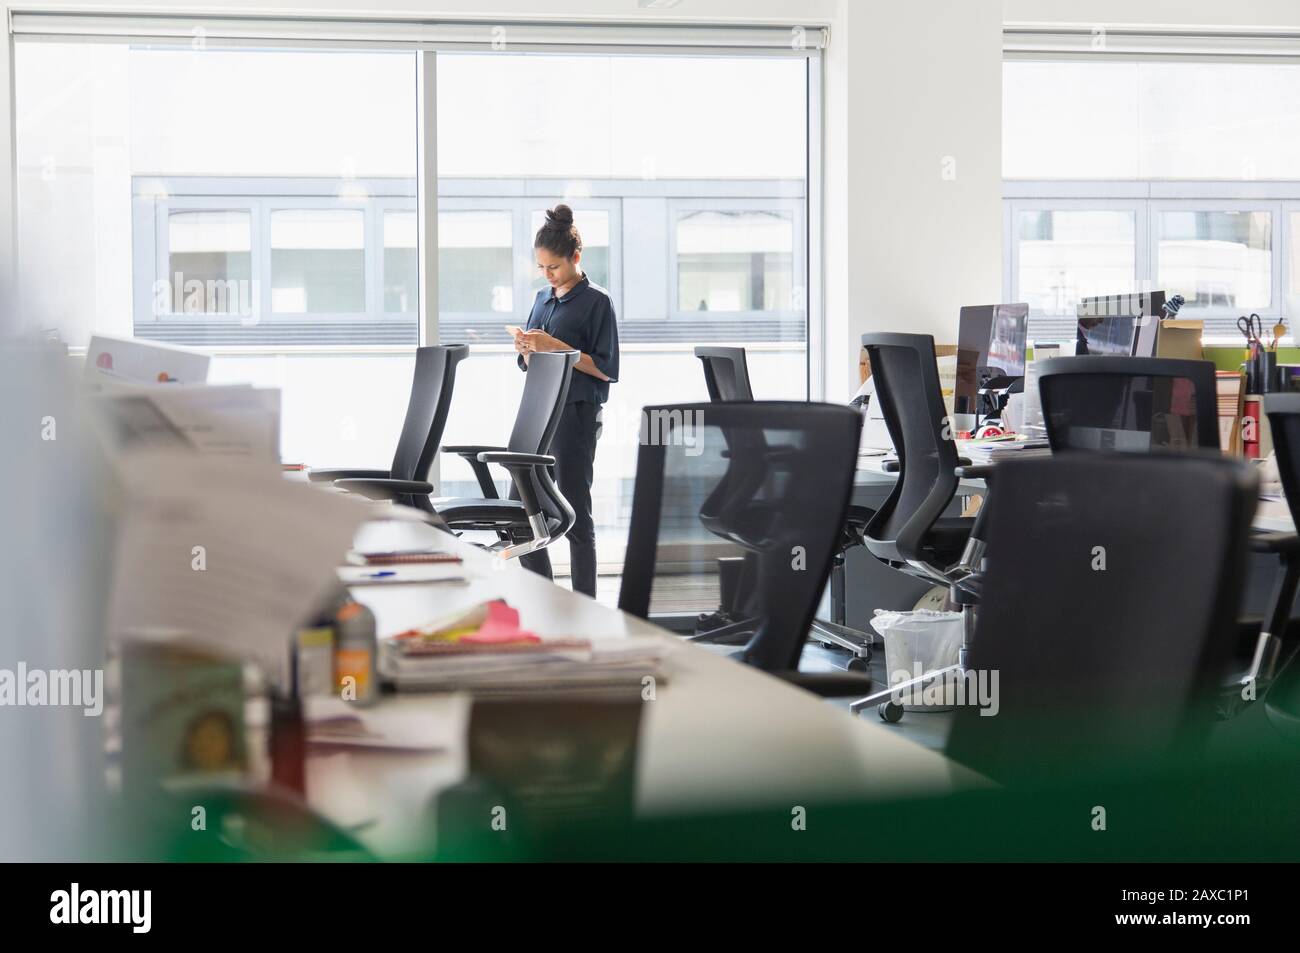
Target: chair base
[736,633]
[832,634]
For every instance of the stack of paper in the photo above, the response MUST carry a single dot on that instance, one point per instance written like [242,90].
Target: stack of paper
[991,449]
[233,420]
[1230,389]
[224,555]
[523,667]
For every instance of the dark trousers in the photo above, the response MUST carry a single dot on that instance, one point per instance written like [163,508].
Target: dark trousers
[574,449]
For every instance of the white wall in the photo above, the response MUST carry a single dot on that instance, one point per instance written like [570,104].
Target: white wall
[914,179]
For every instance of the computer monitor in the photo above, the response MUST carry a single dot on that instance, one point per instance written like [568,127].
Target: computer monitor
[1127,324]
[990,346]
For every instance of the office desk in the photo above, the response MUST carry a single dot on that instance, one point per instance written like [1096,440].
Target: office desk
[1270,515]
[719,736]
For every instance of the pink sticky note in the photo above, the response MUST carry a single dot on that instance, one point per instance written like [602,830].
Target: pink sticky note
[500,626]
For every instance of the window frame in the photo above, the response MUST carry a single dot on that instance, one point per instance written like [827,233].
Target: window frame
[1151,197]
[1051,327]
[1219,312]
[798,252]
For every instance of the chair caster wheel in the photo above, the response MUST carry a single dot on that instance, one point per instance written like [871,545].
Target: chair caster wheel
[890,712]
[858,664]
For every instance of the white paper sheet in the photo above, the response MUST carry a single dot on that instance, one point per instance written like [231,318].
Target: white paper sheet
[225,554]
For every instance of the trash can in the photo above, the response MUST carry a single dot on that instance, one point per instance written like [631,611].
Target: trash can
[918,642]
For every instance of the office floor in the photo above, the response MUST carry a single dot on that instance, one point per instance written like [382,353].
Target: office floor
[925,728]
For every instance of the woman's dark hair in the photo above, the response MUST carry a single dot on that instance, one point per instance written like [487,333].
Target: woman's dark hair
[558,236]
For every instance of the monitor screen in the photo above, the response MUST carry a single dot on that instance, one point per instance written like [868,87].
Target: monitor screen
[1138,323]
[991,342]
[1106,335]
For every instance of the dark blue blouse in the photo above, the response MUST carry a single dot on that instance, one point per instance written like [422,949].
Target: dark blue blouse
[583,319]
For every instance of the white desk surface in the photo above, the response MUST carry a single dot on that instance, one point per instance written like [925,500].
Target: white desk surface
[719,735]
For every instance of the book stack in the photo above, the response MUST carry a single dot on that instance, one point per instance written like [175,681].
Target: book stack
[484,650]
[1230,388]
[506,669]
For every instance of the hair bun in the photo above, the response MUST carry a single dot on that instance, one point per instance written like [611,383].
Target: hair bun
[559,217]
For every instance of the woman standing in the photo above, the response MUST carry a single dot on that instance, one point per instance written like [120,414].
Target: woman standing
[572,315]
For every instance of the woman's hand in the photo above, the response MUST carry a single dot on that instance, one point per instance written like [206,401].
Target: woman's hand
[540,341]
[521,343]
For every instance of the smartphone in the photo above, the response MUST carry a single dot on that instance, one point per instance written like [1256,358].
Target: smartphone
[513,330]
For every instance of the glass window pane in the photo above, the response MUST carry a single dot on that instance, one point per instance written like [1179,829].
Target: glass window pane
[1157,120]
[401,264]
[1070,120]
[735,261]
[1068,254]
[318,261]
[736,162]
[475,262]
[1216,259]
[593,226]
[209,263]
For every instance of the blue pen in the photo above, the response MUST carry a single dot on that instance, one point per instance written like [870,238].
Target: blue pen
[383,574]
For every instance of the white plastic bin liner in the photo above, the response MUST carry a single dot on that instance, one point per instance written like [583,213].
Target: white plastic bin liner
[916,643]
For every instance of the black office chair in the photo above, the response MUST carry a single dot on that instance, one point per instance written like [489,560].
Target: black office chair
[1275,663]
[909,532]
[1107,640]
[769,478]
[1136,404]
[1144,404]
[726,374]
[541,515]
[426,416]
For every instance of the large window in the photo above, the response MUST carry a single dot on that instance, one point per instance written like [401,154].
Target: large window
[688,179]
[264,202]
[1129,176]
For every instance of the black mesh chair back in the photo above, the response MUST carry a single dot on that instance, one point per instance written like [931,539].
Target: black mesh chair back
[1282,698]
[426,411]
[546,389]
[726,372]
[907,387]
[1108,610]
[1284,422]
[788,472]
[1133,404]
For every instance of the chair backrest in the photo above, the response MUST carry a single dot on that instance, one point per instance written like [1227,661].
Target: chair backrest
[726,372]
[426,411]
[1108,610]
[1284,422]
[906,377]
[1133,404]
[546,389]
[1282,699]
[788,469]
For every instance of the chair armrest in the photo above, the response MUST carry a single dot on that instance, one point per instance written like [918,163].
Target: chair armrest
[1283,544]
[510,460]
[977,471]
[470,449]
[329,476]
[889,466]
[470,454]
[385,489]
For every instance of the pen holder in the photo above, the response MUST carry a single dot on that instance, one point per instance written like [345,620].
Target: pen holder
[1265,372]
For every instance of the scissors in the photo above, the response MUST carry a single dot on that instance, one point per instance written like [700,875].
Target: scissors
[1252,329]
